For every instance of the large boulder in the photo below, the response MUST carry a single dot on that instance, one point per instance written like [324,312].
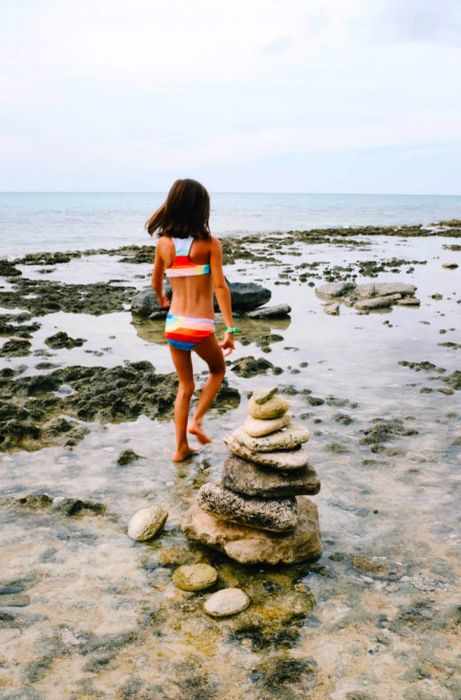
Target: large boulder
[144,303]
[249,546]
[247,296]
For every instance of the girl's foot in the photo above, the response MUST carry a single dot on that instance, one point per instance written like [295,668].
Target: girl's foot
[195,428]
[183,453]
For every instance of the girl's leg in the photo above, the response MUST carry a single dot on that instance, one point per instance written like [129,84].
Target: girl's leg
[183,365]
[209,351]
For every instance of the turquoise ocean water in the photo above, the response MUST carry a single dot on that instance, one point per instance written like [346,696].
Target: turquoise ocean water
[68,221]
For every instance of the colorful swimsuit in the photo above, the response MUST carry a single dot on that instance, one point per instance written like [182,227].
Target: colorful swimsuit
[185,332]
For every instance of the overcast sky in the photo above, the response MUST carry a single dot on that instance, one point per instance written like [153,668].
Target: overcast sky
[244,95]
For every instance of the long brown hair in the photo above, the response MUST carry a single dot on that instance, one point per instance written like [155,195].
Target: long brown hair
[185,212]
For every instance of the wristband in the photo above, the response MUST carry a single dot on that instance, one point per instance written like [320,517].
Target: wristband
[230,329]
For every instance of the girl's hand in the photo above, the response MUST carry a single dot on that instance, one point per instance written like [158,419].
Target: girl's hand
[227,344]
[163,301]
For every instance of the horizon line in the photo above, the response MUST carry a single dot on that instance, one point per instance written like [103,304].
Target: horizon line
[236,192]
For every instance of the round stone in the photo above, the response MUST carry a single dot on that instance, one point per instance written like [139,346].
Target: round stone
[147,522]
[229,601]
[194,577]
[273,408]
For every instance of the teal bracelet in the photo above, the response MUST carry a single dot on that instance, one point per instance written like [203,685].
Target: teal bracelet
[230,329]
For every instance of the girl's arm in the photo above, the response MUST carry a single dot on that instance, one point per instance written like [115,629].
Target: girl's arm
[157,277]
[222,292]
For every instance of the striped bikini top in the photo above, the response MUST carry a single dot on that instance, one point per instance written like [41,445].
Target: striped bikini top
[183,265]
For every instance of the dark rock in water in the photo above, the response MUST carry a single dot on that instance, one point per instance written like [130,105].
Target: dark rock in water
[247,296]
[247,478]
[279,311]
[145,304]
[74,506]
[62,340]
[251,366]
[16,347]
[276,515]
[8,269]
[42,297]
[383,430]
[13,324]
[227,397]
[35,500]
[127,457]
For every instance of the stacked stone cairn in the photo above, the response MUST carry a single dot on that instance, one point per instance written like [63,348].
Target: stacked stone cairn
[258,513]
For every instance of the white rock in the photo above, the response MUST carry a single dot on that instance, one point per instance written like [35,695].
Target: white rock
[228,601]
[256,427]
[146,523]
[332,309]
[285,439]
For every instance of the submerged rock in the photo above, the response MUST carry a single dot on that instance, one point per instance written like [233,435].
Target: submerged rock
[251,366]
[195,577]
[228,601]
[273,408]
[62,340]
[284,460]
[279,311]
[16,347]
[256,427]
[288,438]
[248,546]
[250,480]
[145,524]
[127,457]
[274,515]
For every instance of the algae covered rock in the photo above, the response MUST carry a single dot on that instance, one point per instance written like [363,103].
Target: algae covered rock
[147,522]
[195,577]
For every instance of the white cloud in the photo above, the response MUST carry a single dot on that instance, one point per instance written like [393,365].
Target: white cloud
[162,85]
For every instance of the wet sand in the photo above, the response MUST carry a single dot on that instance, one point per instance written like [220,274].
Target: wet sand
[87,613]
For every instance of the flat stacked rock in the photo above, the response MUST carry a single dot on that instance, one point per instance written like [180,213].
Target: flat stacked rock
[258,513]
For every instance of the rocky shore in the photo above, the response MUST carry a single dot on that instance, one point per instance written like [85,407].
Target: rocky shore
[248,605]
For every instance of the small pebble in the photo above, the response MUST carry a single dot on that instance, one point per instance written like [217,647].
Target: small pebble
[228,601]
[195,577]
[146,523]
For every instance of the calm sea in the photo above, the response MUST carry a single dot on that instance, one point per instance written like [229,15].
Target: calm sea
[32,221]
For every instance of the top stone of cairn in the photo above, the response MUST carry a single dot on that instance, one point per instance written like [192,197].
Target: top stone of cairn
[261,396]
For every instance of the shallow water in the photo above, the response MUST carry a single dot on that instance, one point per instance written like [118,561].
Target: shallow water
[379,628]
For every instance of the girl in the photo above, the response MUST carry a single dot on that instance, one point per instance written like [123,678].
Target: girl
[191,259]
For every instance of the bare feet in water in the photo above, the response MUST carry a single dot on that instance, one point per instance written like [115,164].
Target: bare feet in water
[195,428]
[183,453]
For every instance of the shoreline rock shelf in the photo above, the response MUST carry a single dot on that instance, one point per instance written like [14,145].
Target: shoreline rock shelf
[259,513]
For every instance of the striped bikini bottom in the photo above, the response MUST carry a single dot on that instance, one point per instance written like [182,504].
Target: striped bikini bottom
[185,332]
